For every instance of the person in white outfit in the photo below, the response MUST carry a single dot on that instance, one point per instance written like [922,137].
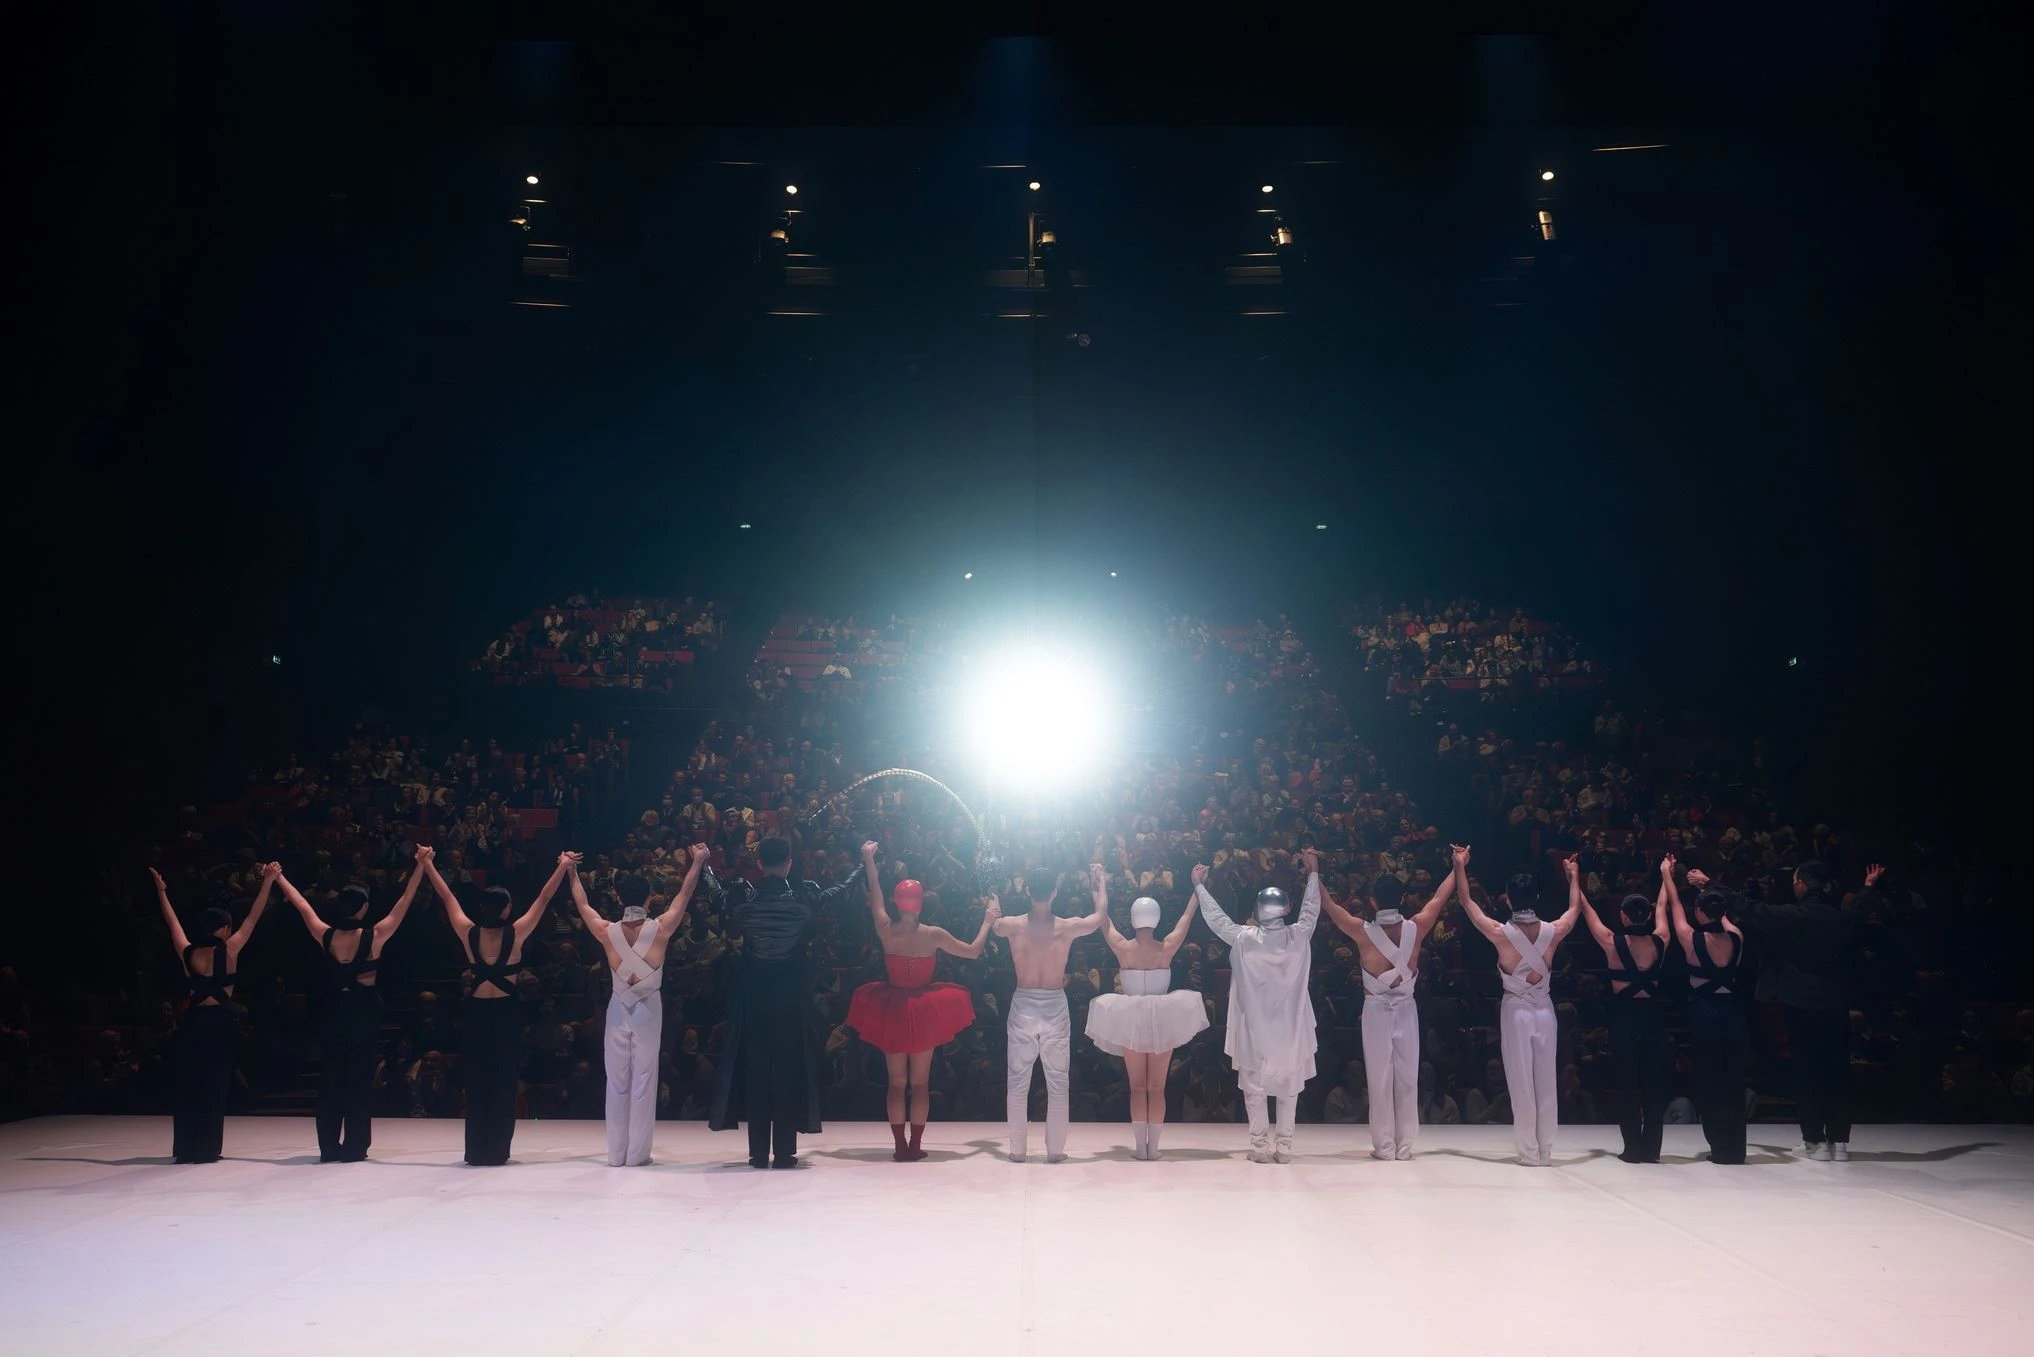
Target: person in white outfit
[1388,947]
[1271,1017]
[1527,1027]
[1149,1018]
[1040,1028]
[635,949]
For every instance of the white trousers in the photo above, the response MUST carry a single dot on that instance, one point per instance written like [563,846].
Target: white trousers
[1041,1032]
[1254,1103]
[1391,1061]
[633,1038]
[1528,1032]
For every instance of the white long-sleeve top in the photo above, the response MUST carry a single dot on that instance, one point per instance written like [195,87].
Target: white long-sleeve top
[1271,1015]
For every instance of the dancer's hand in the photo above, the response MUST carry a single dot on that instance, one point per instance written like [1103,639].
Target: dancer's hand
[994,909]
[1697,878]
[869,851]
[1459,853]
[1312,858]
[1200,873]
[1570,866]
[569,861]
[160,887]
[424,855]
[1097,878]
[1667,866]
[1873,873]
[270,870]
[701,852]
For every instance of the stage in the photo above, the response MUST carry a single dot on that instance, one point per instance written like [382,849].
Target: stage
[1922,1243]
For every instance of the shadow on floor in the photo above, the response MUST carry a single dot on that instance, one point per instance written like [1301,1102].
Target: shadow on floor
[1935,1156]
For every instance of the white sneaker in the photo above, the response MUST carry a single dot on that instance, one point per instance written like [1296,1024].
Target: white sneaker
[1381,1154]
[1260,1153]
[1282,1155]
[1821,1153]
[1404,1153]
[1807,1149]
[1055,1158]
[1840,1151]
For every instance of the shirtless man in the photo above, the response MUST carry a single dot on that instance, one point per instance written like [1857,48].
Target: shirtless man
[1641,1052]
[635,950]
[1526,1023]
[1039,1026]
[1389,950]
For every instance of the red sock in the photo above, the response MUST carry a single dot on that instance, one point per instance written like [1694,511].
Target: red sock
[917,1134]
[897,1131]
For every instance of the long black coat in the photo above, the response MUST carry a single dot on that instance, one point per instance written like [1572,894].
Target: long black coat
[772,992]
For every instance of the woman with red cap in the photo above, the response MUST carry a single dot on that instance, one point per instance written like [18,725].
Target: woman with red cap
[908,1015]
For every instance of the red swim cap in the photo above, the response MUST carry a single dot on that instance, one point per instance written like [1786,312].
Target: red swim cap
[910,897]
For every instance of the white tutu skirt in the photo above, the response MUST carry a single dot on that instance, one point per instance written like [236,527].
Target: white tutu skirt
[1145,1022]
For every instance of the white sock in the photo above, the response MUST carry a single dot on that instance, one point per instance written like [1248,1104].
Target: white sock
[1151,1130]
[1137,1132]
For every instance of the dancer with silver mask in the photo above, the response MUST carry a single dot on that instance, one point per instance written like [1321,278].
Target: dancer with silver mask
[1271,1038]
[1145,1022]
[1527,1026]
[1388,948]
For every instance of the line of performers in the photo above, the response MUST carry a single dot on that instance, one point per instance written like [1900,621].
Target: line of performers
[770,1078]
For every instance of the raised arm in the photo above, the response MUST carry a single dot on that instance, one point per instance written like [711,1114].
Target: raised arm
[1862,902]
[1565,925]
[303,907]
[674,913]
[878,915]
[948,943]
[1098,887]
[385,930]
[238,939]
[169,915]
[1684,933]
[1345,919]
[1480,921]
[596,927]
[835,894]
[1223,927]
[1660,904]
[1430,912]
[1579,901]
[1310,902]
[526,924]
[455,916]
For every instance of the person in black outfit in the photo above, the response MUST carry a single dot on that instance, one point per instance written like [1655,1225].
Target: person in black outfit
[1717,1028]
[1640,1052]
[349,1034]
[770,1074]
[491,1055]
[1804,957]
[204,1038]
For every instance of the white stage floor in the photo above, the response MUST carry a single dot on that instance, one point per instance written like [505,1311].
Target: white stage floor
[1922,1244]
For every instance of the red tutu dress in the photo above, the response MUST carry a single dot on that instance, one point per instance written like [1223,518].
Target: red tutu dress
[909,1012]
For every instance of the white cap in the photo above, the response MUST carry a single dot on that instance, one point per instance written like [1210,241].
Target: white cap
[634,914]
[1144,912]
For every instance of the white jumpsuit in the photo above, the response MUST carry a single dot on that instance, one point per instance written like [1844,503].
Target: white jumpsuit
[1391,1043]
[635,1031]
[1527,1031]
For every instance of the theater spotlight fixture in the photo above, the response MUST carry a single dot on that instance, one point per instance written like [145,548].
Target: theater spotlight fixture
[1037,722]
[1547,175]
[530,179]
[1034,186]
[791,189]
[1265,189]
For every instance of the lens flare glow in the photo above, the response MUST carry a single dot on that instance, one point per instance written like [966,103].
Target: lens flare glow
[1038,721]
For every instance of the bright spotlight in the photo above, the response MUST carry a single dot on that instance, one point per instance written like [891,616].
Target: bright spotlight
[1034,186]
[1112,574]
[1038,721]
[530,179]
[1547,175]
[791,189]
[1265,189]
[969,575]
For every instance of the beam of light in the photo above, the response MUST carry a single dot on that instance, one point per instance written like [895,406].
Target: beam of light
[1648,146]
[1037,720]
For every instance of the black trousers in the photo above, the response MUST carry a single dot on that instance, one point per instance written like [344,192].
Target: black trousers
[1643,1061]
[1722,1042]
[490,1062]
[348,1041]
[1819,1046]
[773,1072]
[204,1055]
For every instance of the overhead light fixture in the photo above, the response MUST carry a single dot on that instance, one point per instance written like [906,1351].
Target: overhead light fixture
[745,527]
[1265,189]
[529,179]
[1320,527]
[1034,186]
[1112,574]
[969,575]
[1547,175]
[791,189]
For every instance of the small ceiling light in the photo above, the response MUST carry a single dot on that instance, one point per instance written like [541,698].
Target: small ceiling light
[1265,189]
[745,527]
[1034,186]
[969,575]
[529,179]
[791,189]
[1112,574]
[1320,527]
[1547,175]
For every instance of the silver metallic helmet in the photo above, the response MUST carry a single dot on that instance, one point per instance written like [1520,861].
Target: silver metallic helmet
[1271,905]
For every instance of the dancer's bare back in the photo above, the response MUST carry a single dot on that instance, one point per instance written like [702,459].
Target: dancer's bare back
[1040,940]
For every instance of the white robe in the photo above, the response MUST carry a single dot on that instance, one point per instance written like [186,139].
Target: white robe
[1271,1015]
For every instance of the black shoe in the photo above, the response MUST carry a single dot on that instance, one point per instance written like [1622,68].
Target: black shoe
[786,1161]
[759,1163]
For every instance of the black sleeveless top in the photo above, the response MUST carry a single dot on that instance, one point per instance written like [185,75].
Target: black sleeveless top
[499,972]
[1706,975]
[1639,983]
[217,986]
[347,975]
